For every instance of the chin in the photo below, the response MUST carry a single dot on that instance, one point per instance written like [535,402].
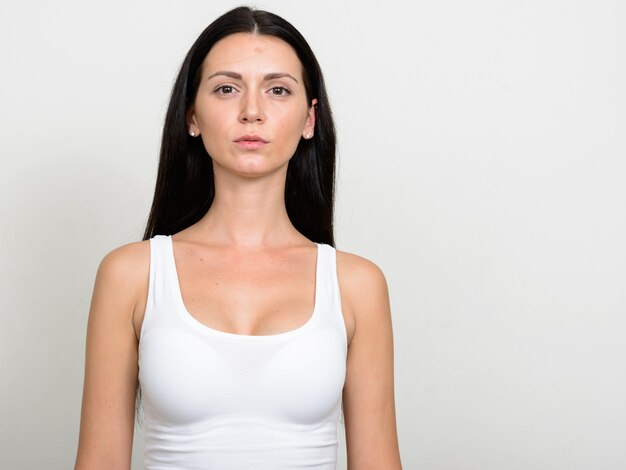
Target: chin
[253,167]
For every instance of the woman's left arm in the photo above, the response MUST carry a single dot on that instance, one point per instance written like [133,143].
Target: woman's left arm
[368,394]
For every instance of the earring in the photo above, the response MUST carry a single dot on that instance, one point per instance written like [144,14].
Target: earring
[192,133]
[308,136]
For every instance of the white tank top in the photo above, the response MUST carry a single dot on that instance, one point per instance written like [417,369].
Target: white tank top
[214,400]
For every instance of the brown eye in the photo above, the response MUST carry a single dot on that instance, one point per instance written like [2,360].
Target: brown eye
[224,89]
[280,91]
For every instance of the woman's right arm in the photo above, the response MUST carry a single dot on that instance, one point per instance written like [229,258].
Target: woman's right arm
[110,384]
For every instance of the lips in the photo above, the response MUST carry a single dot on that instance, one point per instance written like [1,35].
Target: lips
[251,138]
[250,142]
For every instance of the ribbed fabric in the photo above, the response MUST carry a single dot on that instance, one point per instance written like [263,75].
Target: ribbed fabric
[214,400]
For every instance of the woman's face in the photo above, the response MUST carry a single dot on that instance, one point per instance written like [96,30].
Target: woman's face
[251,108]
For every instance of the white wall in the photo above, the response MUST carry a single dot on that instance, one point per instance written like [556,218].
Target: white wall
[482,166]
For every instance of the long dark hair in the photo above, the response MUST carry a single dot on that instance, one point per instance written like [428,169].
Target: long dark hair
[185,187]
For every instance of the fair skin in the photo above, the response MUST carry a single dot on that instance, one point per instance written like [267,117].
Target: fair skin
[233,265]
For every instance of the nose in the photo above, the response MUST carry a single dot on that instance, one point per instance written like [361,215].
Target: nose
[251,108]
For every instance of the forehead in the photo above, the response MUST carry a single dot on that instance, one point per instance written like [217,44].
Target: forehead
[247,52]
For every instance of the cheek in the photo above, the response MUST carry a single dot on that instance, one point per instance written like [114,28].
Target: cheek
[292,123]
[211,119]
[213,129]
[291,135]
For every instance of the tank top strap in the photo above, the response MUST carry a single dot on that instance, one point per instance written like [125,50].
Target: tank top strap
[331,316]
[160,293]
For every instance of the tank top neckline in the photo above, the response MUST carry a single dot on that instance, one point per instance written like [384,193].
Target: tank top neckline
[198,325]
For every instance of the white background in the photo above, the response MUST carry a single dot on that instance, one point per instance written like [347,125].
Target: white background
[481,166]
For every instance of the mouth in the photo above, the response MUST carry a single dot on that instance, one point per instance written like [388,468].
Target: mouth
[251,141]
[251,138]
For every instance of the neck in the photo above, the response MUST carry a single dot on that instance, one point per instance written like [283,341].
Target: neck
[249,212]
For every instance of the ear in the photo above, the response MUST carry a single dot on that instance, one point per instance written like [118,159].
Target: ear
[190,118]
[309,128]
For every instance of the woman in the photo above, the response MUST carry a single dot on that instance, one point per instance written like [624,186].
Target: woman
[244,329]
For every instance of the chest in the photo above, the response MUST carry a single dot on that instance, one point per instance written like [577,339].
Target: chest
[250,297]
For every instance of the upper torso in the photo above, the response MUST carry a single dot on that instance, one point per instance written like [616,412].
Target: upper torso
[198,299]
[258,383]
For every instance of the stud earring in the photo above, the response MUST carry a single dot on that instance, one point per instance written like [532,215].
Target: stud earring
[308,136]
[192,133]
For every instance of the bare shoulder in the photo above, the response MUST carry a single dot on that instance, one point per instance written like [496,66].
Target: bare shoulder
[127,263]
[359,269]
[364,292]
[124,272]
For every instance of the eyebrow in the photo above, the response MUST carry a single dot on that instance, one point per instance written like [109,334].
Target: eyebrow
[237,76]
